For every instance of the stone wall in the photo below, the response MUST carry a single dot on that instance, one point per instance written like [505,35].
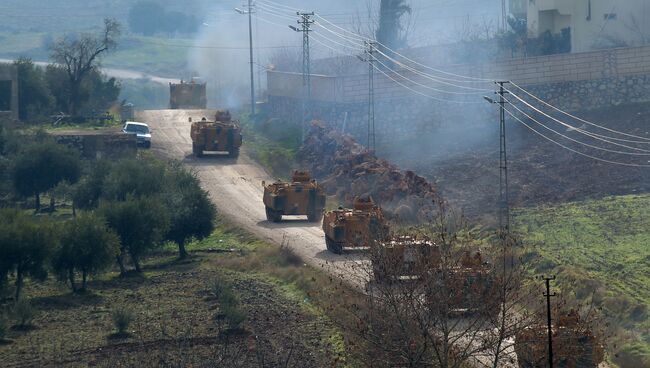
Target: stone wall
[99,144]
[571,82]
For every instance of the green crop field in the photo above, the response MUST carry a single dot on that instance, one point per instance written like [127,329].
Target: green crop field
[600,251]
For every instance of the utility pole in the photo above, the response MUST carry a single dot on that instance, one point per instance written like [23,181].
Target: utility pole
[504,201]
[305,22]
[370,58]
[504,15]
[249,11]
[548,296]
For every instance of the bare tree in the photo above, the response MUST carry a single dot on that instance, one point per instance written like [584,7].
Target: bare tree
[79,55]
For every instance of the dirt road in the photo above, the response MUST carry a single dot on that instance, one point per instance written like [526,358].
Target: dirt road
[235,186]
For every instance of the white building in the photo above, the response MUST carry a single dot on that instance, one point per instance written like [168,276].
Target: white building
[594,24]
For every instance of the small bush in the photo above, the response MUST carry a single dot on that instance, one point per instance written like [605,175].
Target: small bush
[228,302]
[234,316]
[122,318]
[23,312]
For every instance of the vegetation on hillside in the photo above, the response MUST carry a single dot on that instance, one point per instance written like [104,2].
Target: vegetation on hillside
[598,249]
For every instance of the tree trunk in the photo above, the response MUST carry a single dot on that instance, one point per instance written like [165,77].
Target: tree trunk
[182,252]
[74,97]
[71,279]
[84,277]
[74,210]
[136,263]
[120,262]
[38,202]
[52,203]
[19,282]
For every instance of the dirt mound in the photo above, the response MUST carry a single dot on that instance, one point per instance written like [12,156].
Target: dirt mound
[347,169]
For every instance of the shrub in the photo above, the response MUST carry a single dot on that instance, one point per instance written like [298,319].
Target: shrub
[234,316]
[24,312]
[122,318]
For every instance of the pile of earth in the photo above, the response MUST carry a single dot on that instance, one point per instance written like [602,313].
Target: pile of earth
[347,170]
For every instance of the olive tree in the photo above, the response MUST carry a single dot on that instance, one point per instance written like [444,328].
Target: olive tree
[88,246]
[25,246]
[192,214]
[42,165]
[140,223]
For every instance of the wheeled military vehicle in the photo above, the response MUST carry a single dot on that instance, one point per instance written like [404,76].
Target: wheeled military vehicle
[302,196]
[221,135]
[574,344]
[404,257]
[359,227]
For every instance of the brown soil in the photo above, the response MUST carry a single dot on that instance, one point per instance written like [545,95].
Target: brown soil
[539,171]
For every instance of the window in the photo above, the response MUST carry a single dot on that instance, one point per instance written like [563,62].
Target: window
[610,16]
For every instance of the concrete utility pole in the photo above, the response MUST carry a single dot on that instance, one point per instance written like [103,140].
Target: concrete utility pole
[548,296]
[249,11]
[370,58]
[305,21]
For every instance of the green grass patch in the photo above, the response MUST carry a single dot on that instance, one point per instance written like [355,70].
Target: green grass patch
[273,143]
[18,43]
[153,55]
[599,250]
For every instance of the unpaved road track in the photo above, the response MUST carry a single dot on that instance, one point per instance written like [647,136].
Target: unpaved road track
[235,186]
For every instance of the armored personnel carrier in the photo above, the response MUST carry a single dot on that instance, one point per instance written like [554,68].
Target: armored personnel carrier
[302,196]
[404,257]
[462,284]
[574,344]
[221,135]
[359,227]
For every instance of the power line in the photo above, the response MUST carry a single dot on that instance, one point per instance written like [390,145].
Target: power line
[579,130]
[423,94]
[571,149]
[577,118]
[575,140]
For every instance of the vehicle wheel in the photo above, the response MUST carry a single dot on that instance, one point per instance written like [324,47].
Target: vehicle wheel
[147,145]
[315,216]
[273,216]
[333,246]
[234,153]
[197,150]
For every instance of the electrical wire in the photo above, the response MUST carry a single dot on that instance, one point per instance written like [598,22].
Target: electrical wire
[423,85]
[437,79]
[579,130]
[423,94]
[275,12]
[572,139]
[571,149]
[577,118]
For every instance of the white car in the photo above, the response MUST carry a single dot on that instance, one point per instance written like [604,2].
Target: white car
[141,131]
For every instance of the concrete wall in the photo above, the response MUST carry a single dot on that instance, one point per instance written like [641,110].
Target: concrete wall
[569,81]
[9,72]
[594,23]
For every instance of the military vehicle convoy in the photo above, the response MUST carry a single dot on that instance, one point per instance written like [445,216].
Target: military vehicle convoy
[574,344]
[359,227]
[302,196]
[221,135]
